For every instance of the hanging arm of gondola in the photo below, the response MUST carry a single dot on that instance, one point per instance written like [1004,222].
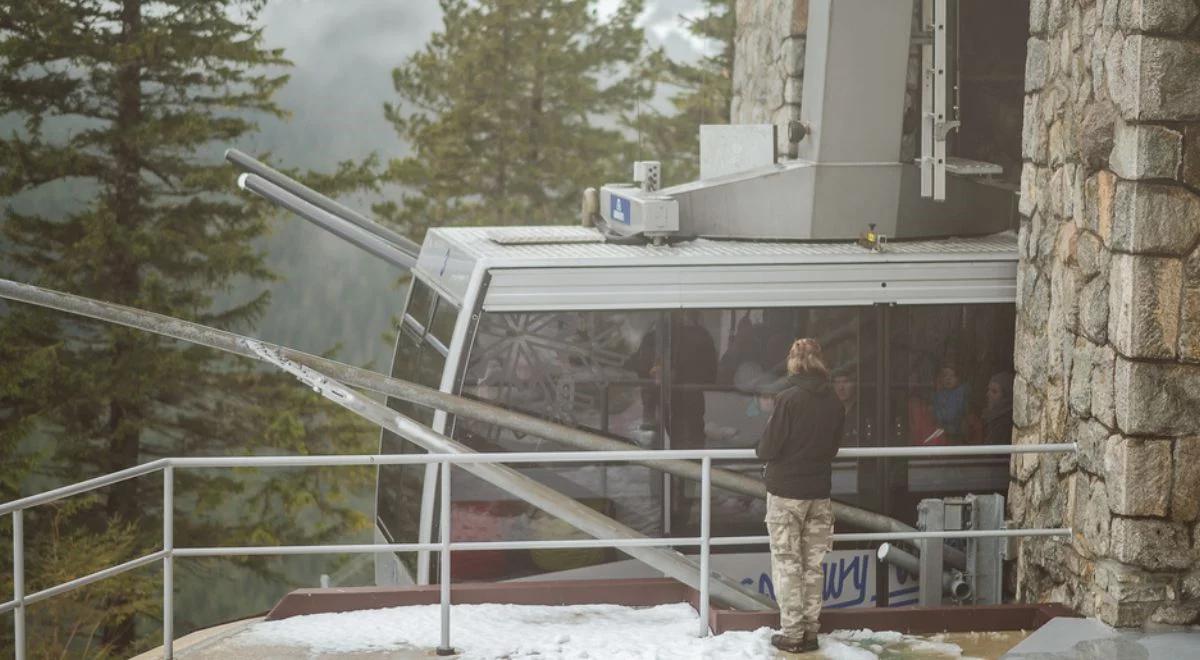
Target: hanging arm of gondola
[341,221]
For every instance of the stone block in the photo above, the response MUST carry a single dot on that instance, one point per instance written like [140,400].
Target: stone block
[1029,190]
[1145,151]
[1093,310]
[1023,466]
[1131,584]
[1163,81]
[1143,303]
[1120,70]
[1038,12]
[1154,218]
[1185,491]
[1090,254]
[1056,154]
[1033,131]
[1157,398]
[1092,438]
[1111,13]
[1079,398]
[1160,16]
[1027,403]
[1176,613]
[1106,189]
[792,56]
[1126,614]
[1151,544]
[1137,474]
[1189,325]
[1189,585]
[1092,518]
[1190,172]
[1037,56]
[1104,387]
[1191,269]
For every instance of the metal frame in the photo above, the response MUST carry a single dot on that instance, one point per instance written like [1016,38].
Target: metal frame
[445,544]
[556,272]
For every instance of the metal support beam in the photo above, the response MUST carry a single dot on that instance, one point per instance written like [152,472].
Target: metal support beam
[671,563]
[376,382]
[331,223]
[932,515]
[18,531]
[251,165]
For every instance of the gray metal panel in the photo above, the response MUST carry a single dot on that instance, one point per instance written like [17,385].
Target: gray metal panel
[478,243]
[732,148]
[855,62]
[641,287]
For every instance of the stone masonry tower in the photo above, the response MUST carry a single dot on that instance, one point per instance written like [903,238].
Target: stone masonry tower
[1108,323]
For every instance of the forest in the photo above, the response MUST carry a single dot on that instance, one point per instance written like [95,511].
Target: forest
[114,115]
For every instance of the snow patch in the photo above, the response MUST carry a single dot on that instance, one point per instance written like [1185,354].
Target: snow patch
[573,632]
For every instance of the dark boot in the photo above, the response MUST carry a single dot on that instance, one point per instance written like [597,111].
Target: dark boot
[788,644]
[810,642]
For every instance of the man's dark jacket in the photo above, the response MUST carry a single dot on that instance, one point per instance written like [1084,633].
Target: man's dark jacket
[802,438]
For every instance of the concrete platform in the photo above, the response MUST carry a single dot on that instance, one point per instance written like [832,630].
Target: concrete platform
[1077,639]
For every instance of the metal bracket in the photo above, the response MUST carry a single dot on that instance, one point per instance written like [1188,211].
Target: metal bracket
[935,122]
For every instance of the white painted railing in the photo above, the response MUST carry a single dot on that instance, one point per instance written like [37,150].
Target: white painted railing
[21,600]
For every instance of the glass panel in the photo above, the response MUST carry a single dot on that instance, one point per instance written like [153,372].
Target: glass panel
[586,369]
[444,317]
[398,492]
[950,375]
[420,303]
[727,367]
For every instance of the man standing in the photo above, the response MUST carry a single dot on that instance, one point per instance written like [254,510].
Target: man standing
[798,447]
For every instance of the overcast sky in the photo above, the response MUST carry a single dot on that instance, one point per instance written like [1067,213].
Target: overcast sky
[344,52]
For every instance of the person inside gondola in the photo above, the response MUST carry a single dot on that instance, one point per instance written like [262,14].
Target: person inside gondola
[847,393]
[693,366]
[950,406]
[798,447]
[998,412]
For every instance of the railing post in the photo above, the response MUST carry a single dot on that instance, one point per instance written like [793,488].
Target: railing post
[18,529]
[444,578]
[168,562]
[705,519]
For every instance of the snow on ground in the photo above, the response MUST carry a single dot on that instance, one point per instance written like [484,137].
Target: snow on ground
[575,632]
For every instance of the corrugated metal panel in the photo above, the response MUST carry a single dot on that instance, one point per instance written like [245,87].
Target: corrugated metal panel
[534,246]
[645,287]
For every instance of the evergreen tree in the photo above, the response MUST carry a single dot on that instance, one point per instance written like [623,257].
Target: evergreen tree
[127,105]
[512,110]
[704,92]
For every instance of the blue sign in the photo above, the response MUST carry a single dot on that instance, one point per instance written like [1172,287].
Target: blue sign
[619,209]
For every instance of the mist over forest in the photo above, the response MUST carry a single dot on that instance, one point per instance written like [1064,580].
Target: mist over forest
[113,119]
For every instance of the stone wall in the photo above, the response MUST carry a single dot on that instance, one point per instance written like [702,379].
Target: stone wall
[1108,323]
[768,68]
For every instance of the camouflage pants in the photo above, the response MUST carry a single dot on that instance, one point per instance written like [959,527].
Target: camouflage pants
[800,536]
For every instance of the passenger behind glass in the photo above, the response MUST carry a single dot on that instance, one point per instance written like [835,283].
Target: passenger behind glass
[998,412]
[693,366]
[950,405]
[846,390]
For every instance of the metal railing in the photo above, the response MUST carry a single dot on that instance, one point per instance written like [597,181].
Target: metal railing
[445,545]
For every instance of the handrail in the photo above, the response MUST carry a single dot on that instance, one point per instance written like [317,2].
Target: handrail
[83,486]
[445,545]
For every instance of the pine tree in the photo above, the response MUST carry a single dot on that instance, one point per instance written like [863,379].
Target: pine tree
[126,104]
[704,92]
[512,110]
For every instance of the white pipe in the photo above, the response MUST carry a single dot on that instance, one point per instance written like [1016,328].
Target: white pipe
[168,562]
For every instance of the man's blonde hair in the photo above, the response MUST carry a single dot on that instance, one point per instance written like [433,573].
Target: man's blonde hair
[805,357]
